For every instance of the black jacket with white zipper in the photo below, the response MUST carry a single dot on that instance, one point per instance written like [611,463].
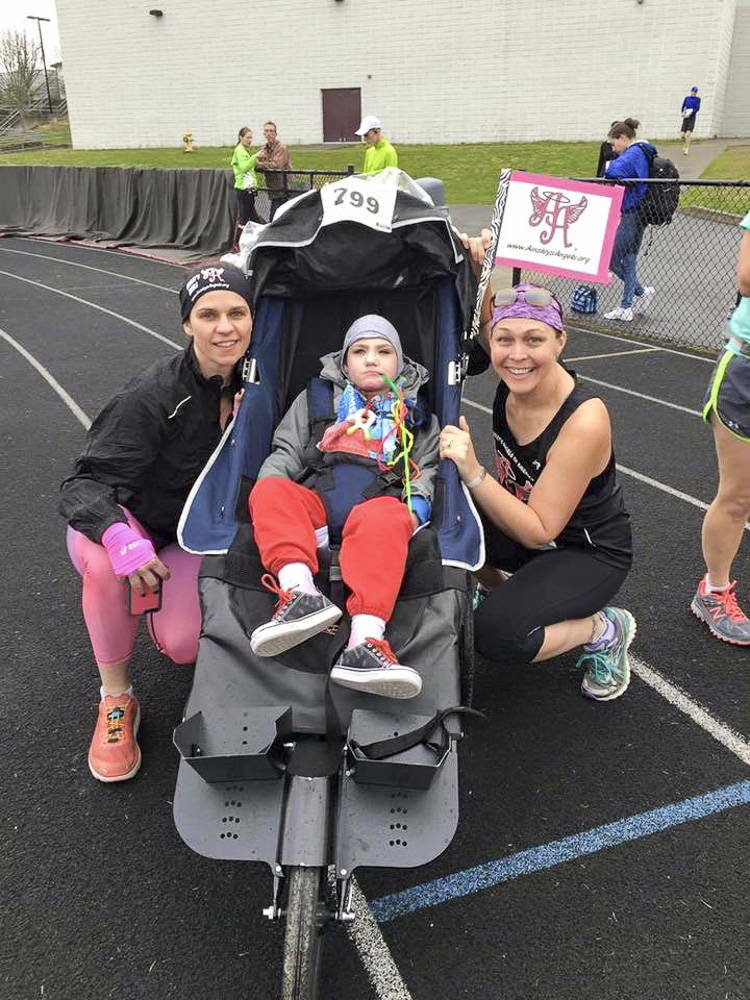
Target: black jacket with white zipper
[146,448]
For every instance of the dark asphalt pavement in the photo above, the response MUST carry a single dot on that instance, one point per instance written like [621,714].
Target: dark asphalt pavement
[102,899]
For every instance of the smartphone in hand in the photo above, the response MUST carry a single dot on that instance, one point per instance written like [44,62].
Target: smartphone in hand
[150,601]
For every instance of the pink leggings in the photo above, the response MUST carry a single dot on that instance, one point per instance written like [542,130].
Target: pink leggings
[174,628]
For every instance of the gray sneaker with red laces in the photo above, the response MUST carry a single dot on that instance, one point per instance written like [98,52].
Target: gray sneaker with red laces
[721,612]
[373,667]
[297,617]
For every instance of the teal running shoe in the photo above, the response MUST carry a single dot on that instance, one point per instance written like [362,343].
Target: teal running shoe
[608,670]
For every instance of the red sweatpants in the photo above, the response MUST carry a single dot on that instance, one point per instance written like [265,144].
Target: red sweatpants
[374,542]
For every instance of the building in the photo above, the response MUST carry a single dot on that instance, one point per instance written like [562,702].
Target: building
[451,71]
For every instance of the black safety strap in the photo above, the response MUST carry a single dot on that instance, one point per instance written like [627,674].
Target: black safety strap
[320,414]
[380,749]
[386,480]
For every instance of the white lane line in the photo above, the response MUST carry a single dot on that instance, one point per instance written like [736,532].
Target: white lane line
[726,736]
[628,472]
[619,388]
[641,395]
[613,354]
[666,489]
[111,251]
[88,267]
[477,406]
[663,487]
[50,379]
[629,340]
[376,956]
[93,305]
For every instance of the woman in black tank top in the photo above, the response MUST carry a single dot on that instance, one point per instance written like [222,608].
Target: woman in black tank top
[554,517]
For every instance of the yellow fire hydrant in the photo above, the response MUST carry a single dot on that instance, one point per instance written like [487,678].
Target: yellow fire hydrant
[188,140]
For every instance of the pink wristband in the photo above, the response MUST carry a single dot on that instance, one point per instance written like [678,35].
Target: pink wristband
[126,549]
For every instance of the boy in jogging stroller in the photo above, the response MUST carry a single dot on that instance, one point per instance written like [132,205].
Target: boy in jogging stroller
[280,762]
[316,488]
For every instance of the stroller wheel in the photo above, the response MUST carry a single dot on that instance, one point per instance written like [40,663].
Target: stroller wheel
[303,940]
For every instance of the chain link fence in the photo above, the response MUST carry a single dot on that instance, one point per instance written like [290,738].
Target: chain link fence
[281,185]
[691,263]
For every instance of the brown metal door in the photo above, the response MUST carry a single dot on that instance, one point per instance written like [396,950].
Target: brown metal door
[342,113]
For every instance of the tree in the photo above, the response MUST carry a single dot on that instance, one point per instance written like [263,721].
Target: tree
[18,60]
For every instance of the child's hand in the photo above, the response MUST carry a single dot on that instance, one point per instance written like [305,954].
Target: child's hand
[237,400]
[456,444]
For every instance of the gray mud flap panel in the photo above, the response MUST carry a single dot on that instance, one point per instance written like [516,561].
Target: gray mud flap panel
[229,796]
[384,826]
[397,811]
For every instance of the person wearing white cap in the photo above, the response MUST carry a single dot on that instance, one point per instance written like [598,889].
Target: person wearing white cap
[380,153]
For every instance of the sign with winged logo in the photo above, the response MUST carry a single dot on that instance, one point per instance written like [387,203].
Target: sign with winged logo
[558,226]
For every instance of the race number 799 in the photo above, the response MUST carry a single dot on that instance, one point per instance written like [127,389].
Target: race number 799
[357,200]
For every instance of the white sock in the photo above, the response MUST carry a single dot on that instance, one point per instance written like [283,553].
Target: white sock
[297,576]
[365,627]
[712,588]
[114,694]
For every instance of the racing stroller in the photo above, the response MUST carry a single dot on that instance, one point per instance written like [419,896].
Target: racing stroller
[278,765]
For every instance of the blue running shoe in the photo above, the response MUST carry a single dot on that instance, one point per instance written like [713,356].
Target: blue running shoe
[608,670]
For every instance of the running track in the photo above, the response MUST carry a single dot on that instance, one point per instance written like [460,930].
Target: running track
[602,849]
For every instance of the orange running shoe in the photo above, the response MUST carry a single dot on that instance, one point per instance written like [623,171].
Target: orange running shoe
[114,754]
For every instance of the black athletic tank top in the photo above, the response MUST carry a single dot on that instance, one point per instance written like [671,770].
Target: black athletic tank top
[600,521]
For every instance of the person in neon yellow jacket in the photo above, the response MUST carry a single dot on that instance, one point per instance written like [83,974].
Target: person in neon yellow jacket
[380,153]
[245,179]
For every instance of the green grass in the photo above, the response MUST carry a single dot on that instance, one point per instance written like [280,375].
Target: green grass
[731,165]
[56,133]
[470,172]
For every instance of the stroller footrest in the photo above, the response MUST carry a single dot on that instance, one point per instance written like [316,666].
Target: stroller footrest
[389,748]
[245,745]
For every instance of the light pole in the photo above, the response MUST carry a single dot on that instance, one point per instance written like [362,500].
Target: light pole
[32,17]
[56,67]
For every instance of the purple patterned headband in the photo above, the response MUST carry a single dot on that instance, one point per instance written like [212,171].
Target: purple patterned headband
[514,304]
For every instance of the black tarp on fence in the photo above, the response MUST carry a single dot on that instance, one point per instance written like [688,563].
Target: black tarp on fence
[121,206]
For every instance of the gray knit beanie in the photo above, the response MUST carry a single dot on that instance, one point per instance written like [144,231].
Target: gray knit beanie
[373,326]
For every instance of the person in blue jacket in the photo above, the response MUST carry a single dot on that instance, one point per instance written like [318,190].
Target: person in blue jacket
[632,161]
[691,105]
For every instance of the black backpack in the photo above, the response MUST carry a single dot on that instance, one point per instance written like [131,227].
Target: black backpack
[659,204]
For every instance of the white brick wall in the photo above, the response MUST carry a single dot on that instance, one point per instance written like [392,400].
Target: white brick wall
[736,117]
[450,71]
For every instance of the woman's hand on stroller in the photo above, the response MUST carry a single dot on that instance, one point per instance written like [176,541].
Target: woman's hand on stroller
[477,248]
[456,444]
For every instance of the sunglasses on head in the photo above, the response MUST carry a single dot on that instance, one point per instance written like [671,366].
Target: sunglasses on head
[531,296]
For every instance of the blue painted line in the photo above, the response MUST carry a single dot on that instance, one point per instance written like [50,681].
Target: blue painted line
[557,852]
